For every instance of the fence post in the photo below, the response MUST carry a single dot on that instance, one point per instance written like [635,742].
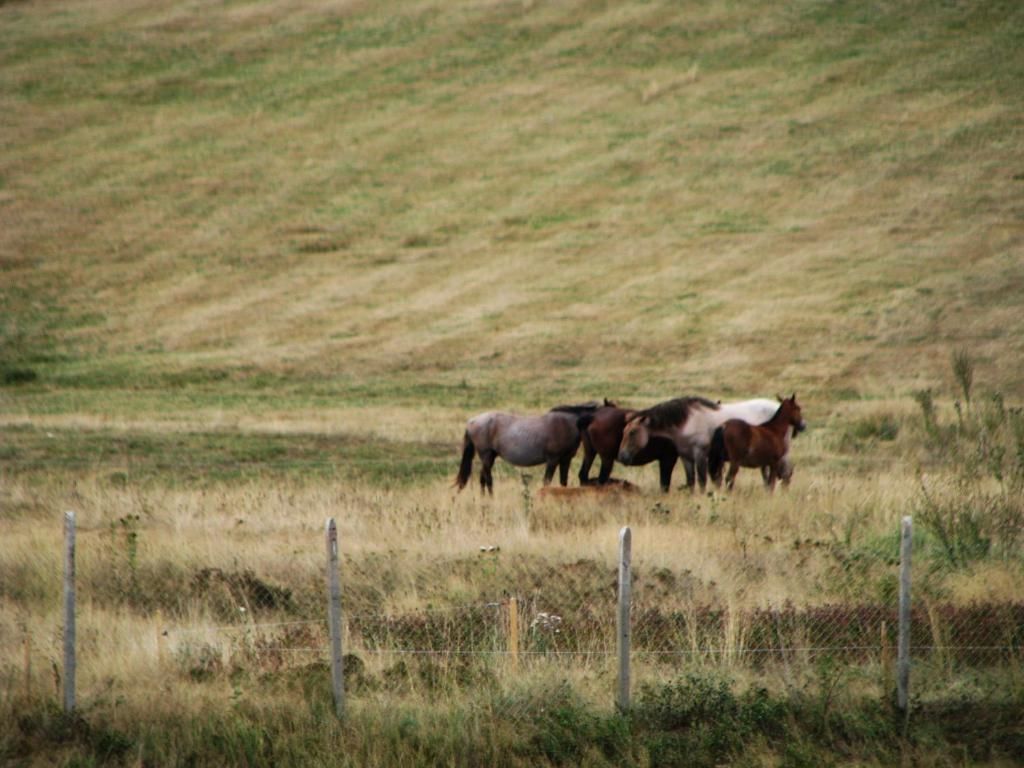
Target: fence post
[27,642]
[903,651]
[159,636]
[513,632]
[69,611]
[622,621]
[334,616]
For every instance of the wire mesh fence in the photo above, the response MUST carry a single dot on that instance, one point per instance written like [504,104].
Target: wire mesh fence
[239,620]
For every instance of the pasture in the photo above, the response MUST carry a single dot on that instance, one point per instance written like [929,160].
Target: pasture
[261,262]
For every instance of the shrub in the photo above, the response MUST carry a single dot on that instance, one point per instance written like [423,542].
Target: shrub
[979,512]
[698,720]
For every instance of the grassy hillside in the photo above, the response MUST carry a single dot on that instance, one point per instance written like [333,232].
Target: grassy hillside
[260,261]
[507,203]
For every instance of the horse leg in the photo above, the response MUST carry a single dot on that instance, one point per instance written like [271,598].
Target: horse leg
[771,478]
[691,477]
[665,466]
[734,467]
[549,470]
[766,473]
[563,470]
[588,461]
[607,462]
[486,478]
[717,456]
[700,461]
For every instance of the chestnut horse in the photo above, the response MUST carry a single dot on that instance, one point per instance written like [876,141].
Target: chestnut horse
[751,411]
[524,441]
[602,433]
[765,445]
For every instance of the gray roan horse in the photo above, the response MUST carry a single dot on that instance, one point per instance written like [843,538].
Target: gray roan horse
[550,439]
[688,422]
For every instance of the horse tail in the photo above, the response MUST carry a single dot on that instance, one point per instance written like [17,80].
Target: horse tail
[584,421]
[466,465]
[717,453]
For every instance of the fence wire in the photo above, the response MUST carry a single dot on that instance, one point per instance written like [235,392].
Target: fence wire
[948,635]
[249,622]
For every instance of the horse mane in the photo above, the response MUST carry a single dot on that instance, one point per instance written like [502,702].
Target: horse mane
[578,409]
[671,413]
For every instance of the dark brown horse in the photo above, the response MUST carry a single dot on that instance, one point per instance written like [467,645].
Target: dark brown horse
[602,434]
[767,445]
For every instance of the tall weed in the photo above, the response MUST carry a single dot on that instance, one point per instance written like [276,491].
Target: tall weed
[975,509]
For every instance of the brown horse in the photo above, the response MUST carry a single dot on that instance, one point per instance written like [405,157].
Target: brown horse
[524,441]
[602,433]
[767,445]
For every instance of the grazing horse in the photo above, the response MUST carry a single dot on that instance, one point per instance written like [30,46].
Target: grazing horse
[601,431]
[765,445]
[525,441]
[687,422]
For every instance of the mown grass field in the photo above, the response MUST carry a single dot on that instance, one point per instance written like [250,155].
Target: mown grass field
[260,261]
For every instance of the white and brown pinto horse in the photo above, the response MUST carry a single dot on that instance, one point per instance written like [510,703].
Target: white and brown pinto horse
[687,422]
[550,439]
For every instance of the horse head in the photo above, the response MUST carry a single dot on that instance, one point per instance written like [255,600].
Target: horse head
[635,435]
[792,413]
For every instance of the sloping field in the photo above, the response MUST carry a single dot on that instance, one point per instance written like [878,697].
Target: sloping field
[509,203]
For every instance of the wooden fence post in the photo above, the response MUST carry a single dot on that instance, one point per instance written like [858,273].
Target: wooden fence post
[903,649]
[27,642]
[159,636]
[622,620]
[334,616]
[884,654]
[69,611]
[513,632]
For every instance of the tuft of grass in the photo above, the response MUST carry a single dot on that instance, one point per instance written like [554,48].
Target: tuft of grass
[963,371]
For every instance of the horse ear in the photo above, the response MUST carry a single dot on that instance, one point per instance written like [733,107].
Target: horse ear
[793,398]
[780,398]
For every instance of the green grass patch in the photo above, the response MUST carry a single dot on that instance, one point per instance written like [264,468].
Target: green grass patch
[200,458]
[694,720]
